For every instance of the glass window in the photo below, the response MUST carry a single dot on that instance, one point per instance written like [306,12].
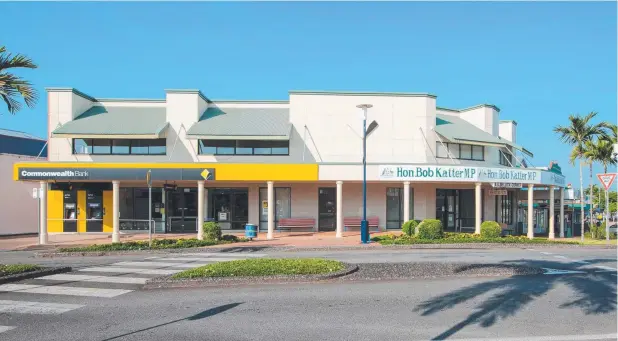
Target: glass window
[283,205]
[121,146]
[478,153]
[101,146]
[441,150]
[394,214]
[139,147]
[157,147]
[206,147]
[453,148]
[466,151]
[82,146]
[244,147]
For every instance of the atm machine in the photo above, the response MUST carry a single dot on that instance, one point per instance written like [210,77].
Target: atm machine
[94,211]
[71,211]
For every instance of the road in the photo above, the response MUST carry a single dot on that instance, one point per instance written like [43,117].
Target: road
[102,301]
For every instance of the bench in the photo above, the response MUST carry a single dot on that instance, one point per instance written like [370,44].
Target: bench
[373,221]
[506,230]
[291,223]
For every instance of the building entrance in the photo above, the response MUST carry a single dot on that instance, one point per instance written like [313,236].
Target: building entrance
[327,209]
[229,207]
[182,210]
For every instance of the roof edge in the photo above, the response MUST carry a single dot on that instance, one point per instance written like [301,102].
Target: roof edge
[134,100]
[189,91]
[361,93]
[509,121]
[249,101]
[471,108]
[73,90]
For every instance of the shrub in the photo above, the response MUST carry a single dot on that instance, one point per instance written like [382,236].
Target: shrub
[409,227]
[491,229]
[430,229]
[212,231]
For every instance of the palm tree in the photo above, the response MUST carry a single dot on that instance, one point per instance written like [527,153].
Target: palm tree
[12,86]
[576,134]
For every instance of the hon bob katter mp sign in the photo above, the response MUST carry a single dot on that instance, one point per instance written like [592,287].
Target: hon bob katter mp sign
[436,173]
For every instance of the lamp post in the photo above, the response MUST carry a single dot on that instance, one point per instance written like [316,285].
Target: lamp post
[366,131]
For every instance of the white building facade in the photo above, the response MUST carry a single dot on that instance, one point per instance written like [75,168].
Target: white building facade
[281,165]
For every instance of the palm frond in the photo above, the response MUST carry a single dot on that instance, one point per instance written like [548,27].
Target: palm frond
[8,61]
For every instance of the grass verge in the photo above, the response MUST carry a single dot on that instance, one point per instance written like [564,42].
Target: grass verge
[264,267]
[14,269]
[157,244]
[463,238]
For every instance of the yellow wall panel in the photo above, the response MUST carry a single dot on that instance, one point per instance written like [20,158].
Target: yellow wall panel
[108,211]
[55,204]
[81,216]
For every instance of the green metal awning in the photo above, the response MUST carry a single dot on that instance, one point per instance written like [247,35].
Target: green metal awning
[116,122]
[242,124]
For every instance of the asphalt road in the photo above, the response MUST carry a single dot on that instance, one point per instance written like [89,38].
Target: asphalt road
[516,308]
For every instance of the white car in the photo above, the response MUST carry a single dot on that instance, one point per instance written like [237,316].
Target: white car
[613,227]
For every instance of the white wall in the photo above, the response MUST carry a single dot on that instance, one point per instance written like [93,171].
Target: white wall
[483,117]
[508,130]
[18,210]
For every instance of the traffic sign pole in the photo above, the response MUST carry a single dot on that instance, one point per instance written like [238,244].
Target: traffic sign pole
[607,180]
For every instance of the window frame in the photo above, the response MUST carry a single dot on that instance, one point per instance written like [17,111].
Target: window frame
[90,146]
[449,145]
[256,147]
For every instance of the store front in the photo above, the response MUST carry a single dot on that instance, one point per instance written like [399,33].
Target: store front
[455,208]
[229,207]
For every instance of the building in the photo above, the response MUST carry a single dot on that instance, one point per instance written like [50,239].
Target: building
[273,162]
[18,210]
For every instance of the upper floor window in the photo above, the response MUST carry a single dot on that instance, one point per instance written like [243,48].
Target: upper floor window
[460,151]
[119,146]
[506,159]
[243,147]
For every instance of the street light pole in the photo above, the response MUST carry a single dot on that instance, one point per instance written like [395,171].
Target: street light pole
[364,223]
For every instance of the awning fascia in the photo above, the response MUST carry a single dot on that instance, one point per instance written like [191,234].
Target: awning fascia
[160,133]
[520,148]
[471,142]
[239,137]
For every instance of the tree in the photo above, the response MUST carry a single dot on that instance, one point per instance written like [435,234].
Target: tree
[11,86]
[580,130]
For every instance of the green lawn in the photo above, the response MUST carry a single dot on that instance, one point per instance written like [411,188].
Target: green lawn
[264,267]
[13,269]
[156,244]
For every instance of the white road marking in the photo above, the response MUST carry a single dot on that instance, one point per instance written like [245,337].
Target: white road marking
[62,290]
[530,249]
[561,257]
[226,254]
[145,264]
[26,307]
[547,253]
[548,338]
[549,271]
[99,279]
[132,270]
[5,328]
[190,259]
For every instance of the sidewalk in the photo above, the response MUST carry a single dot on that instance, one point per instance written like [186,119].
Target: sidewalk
[298,239]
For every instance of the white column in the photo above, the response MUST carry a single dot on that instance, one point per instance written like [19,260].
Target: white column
[43,213]
[552,233]
[530,211]
[339,209]
[116,212]
[477,208]
[406,201]
[561,212]
[271,211]
[200,210]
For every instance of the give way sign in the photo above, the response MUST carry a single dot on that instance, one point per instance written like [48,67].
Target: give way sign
[607,179]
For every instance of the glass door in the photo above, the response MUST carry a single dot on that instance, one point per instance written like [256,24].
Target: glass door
[240,209]
[327,209]
[394,208]
[182,208]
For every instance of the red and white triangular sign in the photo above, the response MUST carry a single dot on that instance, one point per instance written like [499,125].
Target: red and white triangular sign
[607,179]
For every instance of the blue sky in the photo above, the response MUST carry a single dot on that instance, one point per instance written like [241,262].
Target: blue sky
[538,62]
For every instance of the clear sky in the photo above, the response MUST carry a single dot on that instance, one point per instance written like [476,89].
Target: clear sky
[538,62]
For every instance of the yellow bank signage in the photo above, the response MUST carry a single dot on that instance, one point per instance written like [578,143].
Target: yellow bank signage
[114,174]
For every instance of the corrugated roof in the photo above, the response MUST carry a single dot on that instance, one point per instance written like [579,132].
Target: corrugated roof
[243,123]
[106,121]
[20,134]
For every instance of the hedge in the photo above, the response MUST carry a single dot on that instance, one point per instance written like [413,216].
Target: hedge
[491,229]
[409,227]
[430,229]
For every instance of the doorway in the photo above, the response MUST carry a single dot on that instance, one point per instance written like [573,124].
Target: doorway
[182,208]
[229,207]
[327,208]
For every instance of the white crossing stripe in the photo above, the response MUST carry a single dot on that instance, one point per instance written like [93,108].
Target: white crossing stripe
[131,270]
[26,307]
[546,253]
[225,254]
[561,257]
[99,279]
[146,264]
[190,259]
[62,290]
[191,265]
[5,328]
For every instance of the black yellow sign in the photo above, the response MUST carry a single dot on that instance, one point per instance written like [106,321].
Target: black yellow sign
[76,174]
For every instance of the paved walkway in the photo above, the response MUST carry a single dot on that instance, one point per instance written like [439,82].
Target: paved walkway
[299,239]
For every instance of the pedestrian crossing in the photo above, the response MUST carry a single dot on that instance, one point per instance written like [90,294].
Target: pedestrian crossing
[32,296]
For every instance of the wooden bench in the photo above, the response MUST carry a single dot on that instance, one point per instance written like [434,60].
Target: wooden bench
[506,230]
[373,221]
[291,223]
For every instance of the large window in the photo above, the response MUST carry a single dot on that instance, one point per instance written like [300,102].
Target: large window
[504,206]
[243,147]
[283,205]
[394,207]
[460,151]
[505,158]
[119,146]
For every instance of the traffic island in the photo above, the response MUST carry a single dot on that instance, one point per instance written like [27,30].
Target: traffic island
[17,272]
[255,271]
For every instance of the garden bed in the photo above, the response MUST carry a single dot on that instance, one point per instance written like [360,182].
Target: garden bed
[18,272]
[157,244]
[466,238]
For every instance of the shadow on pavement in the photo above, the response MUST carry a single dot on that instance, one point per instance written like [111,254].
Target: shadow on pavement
[198,316]
[595,293]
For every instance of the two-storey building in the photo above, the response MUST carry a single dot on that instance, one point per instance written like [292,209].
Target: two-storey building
[266,162]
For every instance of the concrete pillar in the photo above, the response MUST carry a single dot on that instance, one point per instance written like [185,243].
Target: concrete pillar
[200,210]
[43,213]
[406,201]
[561,212]
[552,208]
[271,211]
[530,211]
[477,208]
[116,212]
[339,209]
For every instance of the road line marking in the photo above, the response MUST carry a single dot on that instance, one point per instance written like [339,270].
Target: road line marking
[190,259]
[132,270]
[62,290]
[5,328]
[547,253]
[530,249]
[145,264]
[548,338]
[99,279]
[225,254]
[561,257]
[27,307]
